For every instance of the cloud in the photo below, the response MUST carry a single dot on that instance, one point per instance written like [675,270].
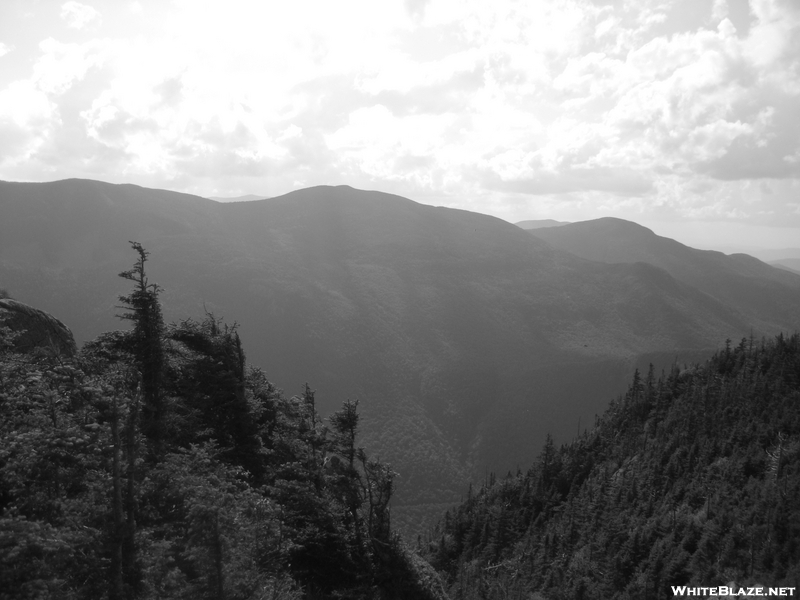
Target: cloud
[441,97]
[772,155]
[416,8]
[24,105]
[5,49]
[60,65]
[27,117]
[700,101]
[719,10]
[618,181]
[79,16]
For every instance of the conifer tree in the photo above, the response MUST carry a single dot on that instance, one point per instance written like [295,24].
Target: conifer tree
[144,309]
[345,428]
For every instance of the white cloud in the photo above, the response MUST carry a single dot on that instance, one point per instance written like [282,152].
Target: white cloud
[374,138]
[25,105]
[719,10]
[60,65]
[773,36]
[5,49]
[79,15]
[677,101]
[27,118]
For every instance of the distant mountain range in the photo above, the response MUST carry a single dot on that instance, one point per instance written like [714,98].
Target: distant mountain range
[791,264]
[466,338]
[245,198]
[540,223]
[763,295]
[768,255]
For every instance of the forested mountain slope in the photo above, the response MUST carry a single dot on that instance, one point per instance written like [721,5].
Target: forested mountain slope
[691,478]
[465,338]
[763,295]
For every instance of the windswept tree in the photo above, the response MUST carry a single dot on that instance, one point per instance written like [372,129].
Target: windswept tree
[144,310]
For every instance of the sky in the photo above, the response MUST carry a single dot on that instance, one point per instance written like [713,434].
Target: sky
[682,115]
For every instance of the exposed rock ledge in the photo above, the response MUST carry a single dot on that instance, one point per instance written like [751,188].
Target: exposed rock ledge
[37,328]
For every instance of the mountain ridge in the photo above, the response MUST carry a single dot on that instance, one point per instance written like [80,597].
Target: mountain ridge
[747,284]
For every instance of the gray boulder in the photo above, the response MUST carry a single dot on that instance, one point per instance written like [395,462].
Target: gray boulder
[36,329]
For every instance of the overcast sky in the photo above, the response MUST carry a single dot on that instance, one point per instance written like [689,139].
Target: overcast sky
[683,115]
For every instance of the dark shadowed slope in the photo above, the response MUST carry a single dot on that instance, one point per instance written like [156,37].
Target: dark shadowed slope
[466,339]
[765,296]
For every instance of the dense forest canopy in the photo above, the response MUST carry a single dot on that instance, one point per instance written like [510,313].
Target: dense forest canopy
[157,464]
[692,478]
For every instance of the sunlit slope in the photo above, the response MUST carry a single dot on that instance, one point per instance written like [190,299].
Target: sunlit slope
[466,338]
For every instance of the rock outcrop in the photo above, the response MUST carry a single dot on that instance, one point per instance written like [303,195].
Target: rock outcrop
[36,329]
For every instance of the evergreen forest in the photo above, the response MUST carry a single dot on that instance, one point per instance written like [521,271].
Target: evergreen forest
[155,463]
[692,478]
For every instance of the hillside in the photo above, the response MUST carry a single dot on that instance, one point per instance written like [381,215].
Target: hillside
[762,294]
[466,339]
[691,478]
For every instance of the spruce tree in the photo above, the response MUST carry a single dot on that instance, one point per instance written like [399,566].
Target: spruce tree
[144,309]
